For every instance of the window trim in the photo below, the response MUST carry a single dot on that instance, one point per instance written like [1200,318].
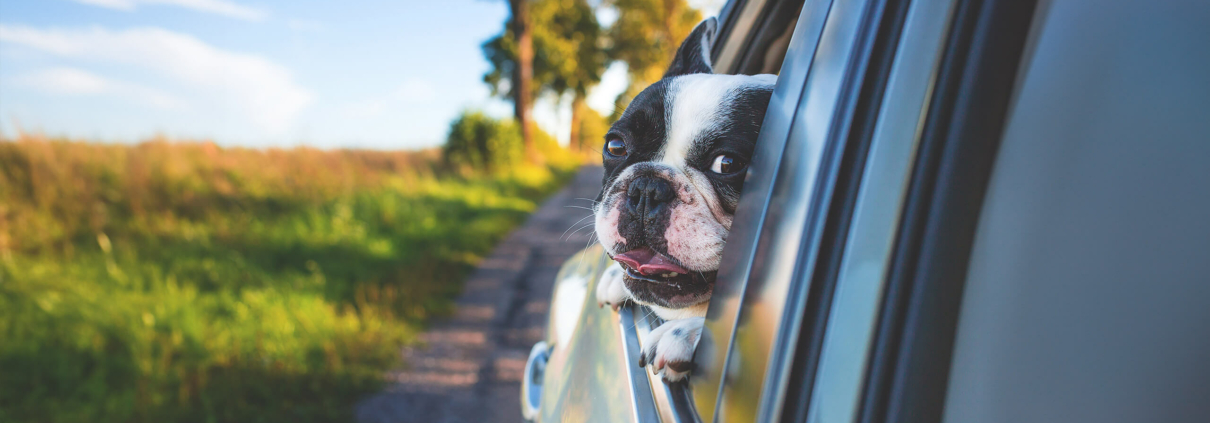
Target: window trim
[791,231]
[750,216]
[853,135]
[848,328]
[909,367]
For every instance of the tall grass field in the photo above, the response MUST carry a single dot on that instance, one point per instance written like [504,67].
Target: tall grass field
[187,282]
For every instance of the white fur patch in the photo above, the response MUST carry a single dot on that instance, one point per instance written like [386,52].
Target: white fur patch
[672,342]
[611,289]
[608,215]
[695,102]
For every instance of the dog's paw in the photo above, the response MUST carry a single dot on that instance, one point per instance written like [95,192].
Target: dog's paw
[611,290]
[669,348]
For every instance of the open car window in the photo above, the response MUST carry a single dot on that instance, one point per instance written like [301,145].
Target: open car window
[756,37]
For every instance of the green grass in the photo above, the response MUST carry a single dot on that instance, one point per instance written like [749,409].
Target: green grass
[186,282]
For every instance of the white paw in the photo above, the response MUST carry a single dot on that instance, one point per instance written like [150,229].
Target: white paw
[611,290]
[669,348]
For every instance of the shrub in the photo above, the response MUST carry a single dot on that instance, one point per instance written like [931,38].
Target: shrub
[481,143]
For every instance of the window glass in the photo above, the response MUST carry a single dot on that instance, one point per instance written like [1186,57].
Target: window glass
[1088,292]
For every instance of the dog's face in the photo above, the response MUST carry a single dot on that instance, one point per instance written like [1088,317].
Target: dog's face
[674,166]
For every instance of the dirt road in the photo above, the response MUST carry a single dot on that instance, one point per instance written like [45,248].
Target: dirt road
[469,367]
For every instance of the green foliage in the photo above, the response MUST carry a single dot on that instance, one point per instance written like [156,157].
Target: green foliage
[569,53]
[187,282]
[480,144]
[593,127]
[646,36]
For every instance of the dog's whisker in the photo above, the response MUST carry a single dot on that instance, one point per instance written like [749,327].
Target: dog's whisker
[567,236]
[573,233]
[592,238]
[650,311]
[572,226]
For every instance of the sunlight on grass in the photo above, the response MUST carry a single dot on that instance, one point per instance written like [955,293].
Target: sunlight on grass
[187,282]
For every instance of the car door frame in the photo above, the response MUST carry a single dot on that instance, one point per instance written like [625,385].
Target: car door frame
[803,205]
[958,145]
[960,92]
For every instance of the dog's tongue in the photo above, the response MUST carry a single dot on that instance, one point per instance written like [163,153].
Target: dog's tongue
[648,262]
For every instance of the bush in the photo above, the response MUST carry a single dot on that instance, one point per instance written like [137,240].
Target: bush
[481,143]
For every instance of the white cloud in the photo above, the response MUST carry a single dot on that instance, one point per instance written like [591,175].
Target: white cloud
[218,7]
[66,81]
[258,88]
[71,81]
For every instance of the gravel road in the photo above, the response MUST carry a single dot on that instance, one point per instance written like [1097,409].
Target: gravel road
[469,366]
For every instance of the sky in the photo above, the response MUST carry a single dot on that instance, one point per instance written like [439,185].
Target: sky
[375,74]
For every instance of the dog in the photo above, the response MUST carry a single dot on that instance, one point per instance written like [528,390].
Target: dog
[675,163]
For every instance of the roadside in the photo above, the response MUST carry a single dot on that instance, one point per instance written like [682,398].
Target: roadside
[468,368]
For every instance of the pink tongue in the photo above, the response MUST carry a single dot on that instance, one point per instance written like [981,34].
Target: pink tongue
[648,262]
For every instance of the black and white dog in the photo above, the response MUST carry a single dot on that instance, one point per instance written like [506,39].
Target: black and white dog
[674,167]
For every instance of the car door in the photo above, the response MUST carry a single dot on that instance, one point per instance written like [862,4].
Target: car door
[824,206]
[1059,271]
[1006,222]
[811,155]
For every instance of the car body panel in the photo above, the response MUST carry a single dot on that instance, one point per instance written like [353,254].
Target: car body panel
[589,376]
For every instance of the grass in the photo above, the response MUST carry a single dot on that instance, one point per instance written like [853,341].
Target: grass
[187,282]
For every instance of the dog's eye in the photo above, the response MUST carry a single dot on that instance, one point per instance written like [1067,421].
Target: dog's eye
[615,147]
[724,164]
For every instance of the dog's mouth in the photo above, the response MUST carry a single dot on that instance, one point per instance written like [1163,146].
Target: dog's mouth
[649,265]
[659,279]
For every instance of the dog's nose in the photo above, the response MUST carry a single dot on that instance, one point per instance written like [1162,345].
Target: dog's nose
[647,196]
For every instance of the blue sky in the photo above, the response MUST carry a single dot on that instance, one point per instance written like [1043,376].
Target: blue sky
[369,74]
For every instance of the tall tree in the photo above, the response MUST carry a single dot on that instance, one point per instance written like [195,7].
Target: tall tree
[646,35]
[523,74]
[573,55]
[568,56]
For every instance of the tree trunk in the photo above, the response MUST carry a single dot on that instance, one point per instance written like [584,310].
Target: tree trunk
[524,75]
[574,143]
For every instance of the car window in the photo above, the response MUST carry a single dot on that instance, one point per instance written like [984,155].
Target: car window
[1086,297]
[758,297]
[712,350]
[853,311]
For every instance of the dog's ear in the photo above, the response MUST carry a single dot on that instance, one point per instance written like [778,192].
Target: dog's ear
[694,54]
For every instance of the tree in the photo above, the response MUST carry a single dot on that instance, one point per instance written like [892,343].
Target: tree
[646,35]
[573,55]
[568,56]
[512,54]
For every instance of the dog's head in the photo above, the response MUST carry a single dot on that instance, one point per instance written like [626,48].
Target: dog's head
[674,166]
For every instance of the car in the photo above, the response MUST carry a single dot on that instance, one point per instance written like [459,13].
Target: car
[958,211]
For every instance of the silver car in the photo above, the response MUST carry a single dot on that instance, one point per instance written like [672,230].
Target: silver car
[958,211]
